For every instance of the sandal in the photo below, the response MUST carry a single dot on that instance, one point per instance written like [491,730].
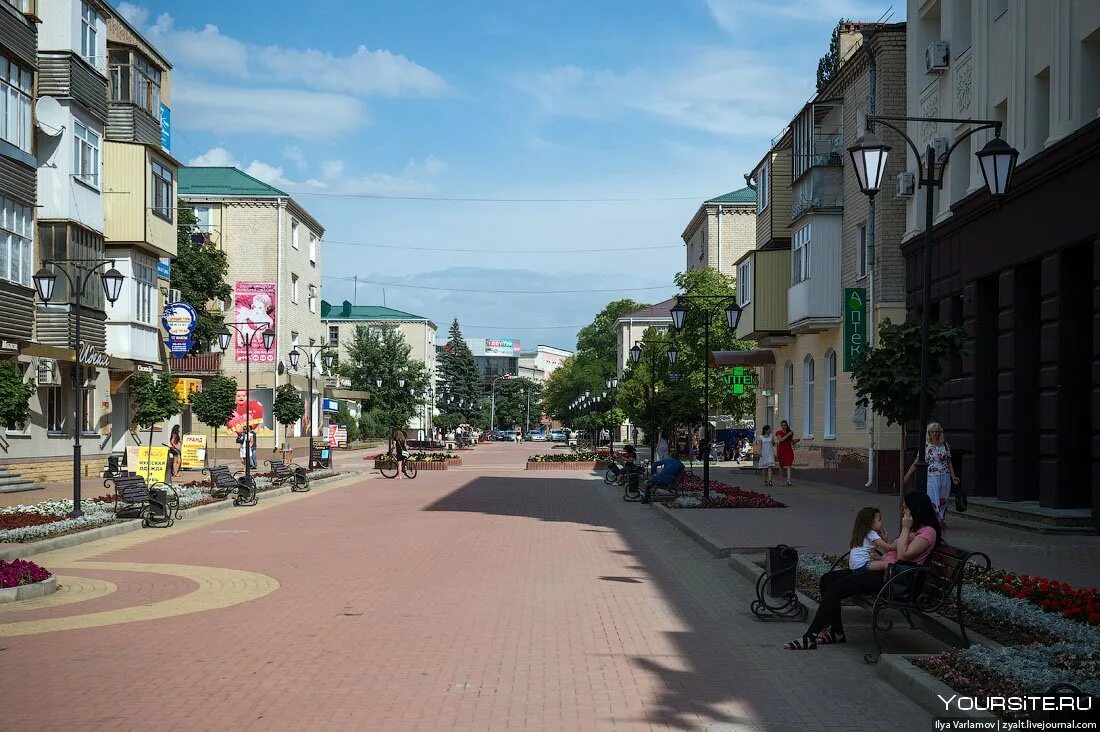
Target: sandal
[805,643]
[829,638]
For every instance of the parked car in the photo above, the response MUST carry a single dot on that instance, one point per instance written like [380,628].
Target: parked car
[507,435]
[535,437]
[558,436]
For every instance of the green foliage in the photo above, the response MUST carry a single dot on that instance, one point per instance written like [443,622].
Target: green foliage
[374,423]
[214,405]
[382,353]
[461,386]
[15,395]
[888,375]
[154,398]
[511,402]
[829,63]
[447,422]
[199,273]
[288,406]
[598,341]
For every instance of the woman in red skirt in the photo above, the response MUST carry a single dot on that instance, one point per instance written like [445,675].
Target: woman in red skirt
[785,437]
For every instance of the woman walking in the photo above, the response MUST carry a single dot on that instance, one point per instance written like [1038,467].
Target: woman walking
[766,443]
[941,473]
[175,449]
[785,437]
[400,451]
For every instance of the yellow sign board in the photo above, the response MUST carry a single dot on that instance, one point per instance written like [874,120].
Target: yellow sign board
[150,463]
[193,451]
[186,387]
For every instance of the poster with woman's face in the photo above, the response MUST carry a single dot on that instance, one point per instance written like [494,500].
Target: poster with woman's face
[254,313]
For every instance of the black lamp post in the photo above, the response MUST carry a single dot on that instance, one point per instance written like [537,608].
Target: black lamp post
[679,313]
[651,349]
[612,385]
[998,162]
[327,358]
[44,281]
[268,341]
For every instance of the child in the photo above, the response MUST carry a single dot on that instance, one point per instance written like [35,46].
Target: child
[867,535]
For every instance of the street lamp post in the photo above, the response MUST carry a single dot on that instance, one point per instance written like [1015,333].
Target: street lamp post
[650,348]
[268,340]
[998,162]
[612,385]
[733,314]
[312,352]
[493,399]
[44,281]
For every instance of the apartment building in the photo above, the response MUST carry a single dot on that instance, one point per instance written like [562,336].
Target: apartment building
[631,328]
[721,231]
[537,365]
[1021,276]
[273,247]
[816,286]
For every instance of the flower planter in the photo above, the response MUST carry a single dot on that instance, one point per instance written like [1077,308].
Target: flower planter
[580,465]
[453,462]
[47,586]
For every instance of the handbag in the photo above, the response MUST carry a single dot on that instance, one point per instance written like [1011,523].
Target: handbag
[903,588]
[960,498]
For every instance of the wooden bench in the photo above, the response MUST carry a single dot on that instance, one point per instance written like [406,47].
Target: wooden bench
[157,505]
[223,483]
[289,473]
[936,590]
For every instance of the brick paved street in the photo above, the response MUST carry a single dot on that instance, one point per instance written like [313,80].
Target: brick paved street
[479,598]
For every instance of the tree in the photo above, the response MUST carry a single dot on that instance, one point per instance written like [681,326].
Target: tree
[288,407]
[199,273]
[829,63]
[461,385]
[155,400]
[15,396]
[511,402]
[215,404]
[382,353]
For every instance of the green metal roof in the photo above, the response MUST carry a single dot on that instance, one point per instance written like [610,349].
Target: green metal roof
[742,195]
[219,181]
[347,311]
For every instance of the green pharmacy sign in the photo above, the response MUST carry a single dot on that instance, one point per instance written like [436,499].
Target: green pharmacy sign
[739,380]
[855,324]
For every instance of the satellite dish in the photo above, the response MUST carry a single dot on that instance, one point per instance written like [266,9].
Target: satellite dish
[49,116]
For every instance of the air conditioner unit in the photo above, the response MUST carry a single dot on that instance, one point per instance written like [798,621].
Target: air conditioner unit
[907,184]
[47,373]
[936,57]
[940,145]
[173,295]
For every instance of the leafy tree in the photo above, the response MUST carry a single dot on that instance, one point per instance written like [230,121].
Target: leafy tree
[461,386]
[15,396]
[599,340]
[215,404]
[511,402]
[382,353]
[288,407]
[829,63]
[199,273]
[155,400]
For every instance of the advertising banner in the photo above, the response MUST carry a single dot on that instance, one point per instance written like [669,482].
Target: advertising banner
[185,387]
[341,436]
[501,347]
[254,311]
[179,321]
[259,414]
[855,324]
[193,451]
[149,463]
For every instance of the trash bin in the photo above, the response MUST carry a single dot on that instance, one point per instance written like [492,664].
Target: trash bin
[780,566]
[158,510]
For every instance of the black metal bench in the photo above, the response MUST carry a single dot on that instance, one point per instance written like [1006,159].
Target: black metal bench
[223,483]
[157,505]
[289,473]
[936,590]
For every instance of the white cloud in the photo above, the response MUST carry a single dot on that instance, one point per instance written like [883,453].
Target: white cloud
[282,112]
[295,154]
[428,167]
[746,15]
[214,157]
[199,49]
[134,14]
[332,168]
[367,72]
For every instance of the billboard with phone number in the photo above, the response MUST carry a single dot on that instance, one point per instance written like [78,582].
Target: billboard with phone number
[501,347]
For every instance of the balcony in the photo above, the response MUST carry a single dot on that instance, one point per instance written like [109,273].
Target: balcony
[764,315]
[819,190]
[196,364]
[813,304]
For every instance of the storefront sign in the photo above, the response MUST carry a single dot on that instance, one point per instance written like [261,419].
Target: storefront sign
[149,463]
[337,435]
[9,347]
[330,405]
[855,324]
[166,128]
[144,368]
[89,355]
[164,268]
[254,313]
[186,387]
[179,320]
[740,380]
[193,451]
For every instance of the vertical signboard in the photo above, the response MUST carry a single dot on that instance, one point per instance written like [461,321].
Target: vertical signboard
[254,312]
[165,128]
[855,324]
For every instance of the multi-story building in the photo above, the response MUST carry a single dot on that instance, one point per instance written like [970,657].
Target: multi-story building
[631,328]
[537,365]
[1021,275]
[722,230]
[274,255]
[815,265]
[495,357]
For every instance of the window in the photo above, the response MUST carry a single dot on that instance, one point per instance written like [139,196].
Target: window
[294,233]
[294,288]
[312,299]
[16,232]
[334,335]
[145,289]
[88,416]
[15,104]
[744,282]
[762,180]
[788,396]
[86,154]
[89,33]
[313,250]
[163,192]
[53,407]
[135,79]
[800,255]
[59,240]
[204,218]
[830,394]
[861,253]
[808,408]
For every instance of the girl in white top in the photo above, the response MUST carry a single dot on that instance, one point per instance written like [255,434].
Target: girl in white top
[765,444]
[868,534]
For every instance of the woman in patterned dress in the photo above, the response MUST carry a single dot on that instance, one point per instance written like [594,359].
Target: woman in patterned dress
[941,473]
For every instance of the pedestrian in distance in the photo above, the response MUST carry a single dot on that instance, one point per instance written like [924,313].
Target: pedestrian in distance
[766,446]
[247,440]
[941,473]
[784,436]
[635,435]
[175,444]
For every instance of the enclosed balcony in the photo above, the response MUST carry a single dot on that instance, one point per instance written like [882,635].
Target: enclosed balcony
[813,300]
[817,157]
[762,280]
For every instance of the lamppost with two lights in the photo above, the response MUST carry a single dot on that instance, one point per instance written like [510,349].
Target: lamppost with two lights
[246,334]
[651,349]
[327,357]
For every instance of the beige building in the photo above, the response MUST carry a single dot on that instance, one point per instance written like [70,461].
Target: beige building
[721,231]
[274,252]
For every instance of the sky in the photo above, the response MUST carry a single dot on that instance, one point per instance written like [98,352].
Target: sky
[595,129]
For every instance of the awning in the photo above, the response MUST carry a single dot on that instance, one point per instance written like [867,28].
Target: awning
[762,357]
[348,394]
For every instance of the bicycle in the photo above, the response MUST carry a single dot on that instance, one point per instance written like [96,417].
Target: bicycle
[387,465]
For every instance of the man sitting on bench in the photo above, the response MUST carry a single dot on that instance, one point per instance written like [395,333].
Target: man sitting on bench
[669,470]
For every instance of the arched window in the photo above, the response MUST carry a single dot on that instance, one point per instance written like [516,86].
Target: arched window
[830,394]
[808,409]
[788,393]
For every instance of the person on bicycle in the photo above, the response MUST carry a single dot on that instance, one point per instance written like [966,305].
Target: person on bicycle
[400,451]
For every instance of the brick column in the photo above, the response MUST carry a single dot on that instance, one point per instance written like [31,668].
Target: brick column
[1050,346]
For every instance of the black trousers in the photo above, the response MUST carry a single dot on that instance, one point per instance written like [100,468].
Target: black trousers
[835,587]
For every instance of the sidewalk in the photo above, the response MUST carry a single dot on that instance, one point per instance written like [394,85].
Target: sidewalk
[819,519]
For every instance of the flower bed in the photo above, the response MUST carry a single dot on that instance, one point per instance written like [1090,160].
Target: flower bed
[19,572]
[723,495]
[567,465]
[564,457]
[1074,603]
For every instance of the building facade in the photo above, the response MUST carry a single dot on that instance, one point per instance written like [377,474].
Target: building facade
[495,357]
[274,255]
[721,231]
[537,365]
[1022,277]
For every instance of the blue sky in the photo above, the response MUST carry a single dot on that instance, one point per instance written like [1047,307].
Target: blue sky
[338,102]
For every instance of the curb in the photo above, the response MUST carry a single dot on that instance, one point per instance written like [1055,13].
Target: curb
[47,586]
[83,537]
[698,537]
[922,688]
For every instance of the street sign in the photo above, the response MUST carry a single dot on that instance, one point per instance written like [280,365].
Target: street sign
[855,324]
[675,377]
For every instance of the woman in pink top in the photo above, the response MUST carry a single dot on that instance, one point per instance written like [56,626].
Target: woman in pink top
[918,537]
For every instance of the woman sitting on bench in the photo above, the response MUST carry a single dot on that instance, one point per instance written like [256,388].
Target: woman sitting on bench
[669,470]
[919,535]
